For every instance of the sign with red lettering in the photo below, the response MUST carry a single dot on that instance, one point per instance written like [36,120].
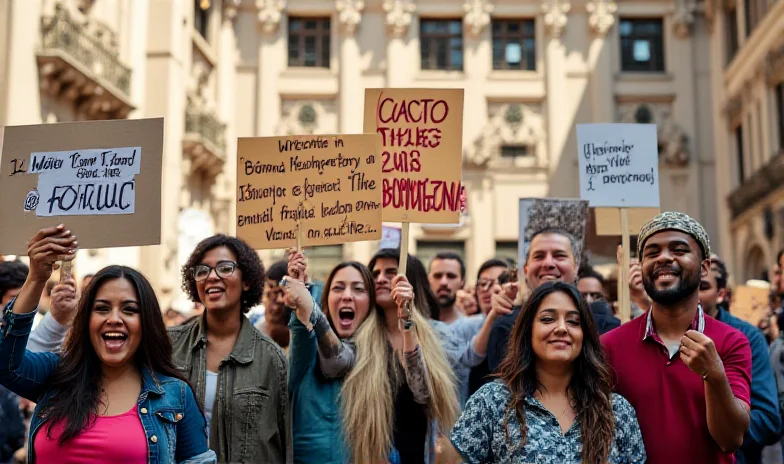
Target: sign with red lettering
[421,152]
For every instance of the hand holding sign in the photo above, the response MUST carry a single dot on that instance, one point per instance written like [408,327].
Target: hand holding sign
[46,248]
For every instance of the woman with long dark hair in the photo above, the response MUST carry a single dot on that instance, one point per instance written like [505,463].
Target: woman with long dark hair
[240,375]
[113,395]
[553,397]
[348,298]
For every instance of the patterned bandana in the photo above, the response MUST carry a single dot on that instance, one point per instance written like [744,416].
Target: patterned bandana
[675,221]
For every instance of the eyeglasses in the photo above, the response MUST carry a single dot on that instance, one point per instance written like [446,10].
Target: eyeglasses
[592,296]
[485,284]
[223,269]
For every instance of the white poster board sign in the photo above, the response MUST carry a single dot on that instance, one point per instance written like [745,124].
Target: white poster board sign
[390,237]
[619,165]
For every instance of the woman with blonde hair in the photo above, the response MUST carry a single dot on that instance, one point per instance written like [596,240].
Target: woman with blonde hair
[401,389]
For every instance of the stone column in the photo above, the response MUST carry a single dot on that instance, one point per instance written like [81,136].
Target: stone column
[400,15]
[601,18]
[272,58]
[168,62]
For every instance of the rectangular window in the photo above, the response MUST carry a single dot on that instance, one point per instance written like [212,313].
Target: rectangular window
[514,44]
[780,112]
[642,45]
[506,250]
[309,42]
[201,18]
[441,44]
[426,251]
[733,45]
[514,151]
[739,153]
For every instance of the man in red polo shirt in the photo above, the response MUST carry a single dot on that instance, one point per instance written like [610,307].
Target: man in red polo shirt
[688,376]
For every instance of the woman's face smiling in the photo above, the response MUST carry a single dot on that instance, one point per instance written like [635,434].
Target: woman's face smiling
[115,323]
[222,289]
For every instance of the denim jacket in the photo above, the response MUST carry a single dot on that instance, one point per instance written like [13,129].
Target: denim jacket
[175,427]
[251,421]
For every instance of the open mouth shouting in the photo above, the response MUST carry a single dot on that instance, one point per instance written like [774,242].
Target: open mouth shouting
[346,317]
[114,340]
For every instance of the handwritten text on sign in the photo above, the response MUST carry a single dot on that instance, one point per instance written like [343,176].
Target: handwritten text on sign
[619,165]
[329,185]
[421,156]
[84,182]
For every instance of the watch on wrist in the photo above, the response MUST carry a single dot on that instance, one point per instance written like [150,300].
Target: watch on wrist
[405,324]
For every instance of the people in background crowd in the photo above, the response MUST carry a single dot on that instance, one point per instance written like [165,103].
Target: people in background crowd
[86,280]
[114,390]
[275,319]
[315,398]
[12,432]
[240,375]
[687,376]
[466,301]
[12,276]
[447,277]
[553,399]
[765,425]
[591,286]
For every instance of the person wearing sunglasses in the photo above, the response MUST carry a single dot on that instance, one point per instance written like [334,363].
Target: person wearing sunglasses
[240,376]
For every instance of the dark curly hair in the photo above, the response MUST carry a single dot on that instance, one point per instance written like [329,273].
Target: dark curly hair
[12,275]
[248,263]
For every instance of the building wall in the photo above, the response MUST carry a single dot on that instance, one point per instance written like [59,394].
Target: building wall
[239,72]
[745,103]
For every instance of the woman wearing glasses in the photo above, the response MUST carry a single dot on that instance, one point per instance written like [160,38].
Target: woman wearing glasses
[239,375]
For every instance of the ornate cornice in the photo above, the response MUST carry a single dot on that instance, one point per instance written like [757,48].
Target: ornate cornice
[349,14]
[555,16]
[400,14]
[270,13]
[230,9]
[601,16]
[683,17]
[477,16]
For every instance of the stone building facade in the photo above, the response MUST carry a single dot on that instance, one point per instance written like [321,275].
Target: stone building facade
[218,70]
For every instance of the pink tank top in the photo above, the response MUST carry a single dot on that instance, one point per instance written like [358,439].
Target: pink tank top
[111,439]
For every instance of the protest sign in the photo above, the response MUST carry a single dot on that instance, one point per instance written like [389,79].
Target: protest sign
[540,214]
[619,165]
[421,132]
[100,178]
[322,190]
[609,222]
[750,303]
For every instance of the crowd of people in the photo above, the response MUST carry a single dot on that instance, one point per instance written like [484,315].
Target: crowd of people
[375,365]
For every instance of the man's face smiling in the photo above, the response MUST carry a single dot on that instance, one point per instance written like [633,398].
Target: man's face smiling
[672,267]
[550,258]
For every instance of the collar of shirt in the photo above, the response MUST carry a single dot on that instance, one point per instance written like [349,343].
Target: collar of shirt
[698,324]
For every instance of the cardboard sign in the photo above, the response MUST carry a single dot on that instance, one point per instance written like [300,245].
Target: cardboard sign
[421,152]
[329,185]
[619,165]
[750,303]
[608,220]
[102,179]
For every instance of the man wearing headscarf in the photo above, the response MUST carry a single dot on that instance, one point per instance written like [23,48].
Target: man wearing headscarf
[688,376]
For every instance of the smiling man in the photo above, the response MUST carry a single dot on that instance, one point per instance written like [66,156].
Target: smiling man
[687,375]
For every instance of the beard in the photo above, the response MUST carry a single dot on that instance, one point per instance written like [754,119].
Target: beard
[688,283]
[446,301]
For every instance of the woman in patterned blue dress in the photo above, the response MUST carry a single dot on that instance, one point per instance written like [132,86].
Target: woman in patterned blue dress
[553,401]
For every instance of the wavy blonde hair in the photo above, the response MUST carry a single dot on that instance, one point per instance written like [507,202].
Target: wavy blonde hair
[367,394]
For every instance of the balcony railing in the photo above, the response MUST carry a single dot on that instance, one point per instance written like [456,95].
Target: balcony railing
[64,34]
[754,189]
[208,128]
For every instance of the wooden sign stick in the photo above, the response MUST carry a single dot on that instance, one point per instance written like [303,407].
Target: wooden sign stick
[403,264]
[65,270]
[625,297]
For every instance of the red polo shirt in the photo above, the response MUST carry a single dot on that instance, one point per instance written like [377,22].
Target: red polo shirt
[668,397]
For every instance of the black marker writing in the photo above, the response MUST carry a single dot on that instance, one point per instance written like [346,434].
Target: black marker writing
[92,197]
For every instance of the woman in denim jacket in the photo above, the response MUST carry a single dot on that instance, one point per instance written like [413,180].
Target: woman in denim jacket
[113,395]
